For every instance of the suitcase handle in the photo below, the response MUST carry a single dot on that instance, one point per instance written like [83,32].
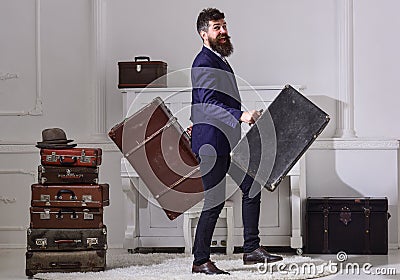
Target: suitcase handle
[142,58]
[74,160]
[66,265]
[61,192]
[67,210]
[64,241]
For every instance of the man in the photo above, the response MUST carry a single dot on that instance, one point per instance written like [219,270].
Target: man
[216,115]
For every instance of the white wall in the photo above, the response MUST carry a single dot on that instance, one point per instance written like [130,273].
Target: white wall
[276,42]
[376,48]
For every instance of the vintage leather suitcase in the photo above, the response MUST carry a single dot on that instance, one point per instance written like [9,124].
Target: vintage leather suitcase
[66,239]
[140,74]
[67,175]
[67,196]
[84,157]
[158,149]
[351,225]
[72,261]
[278,139]
[57,217]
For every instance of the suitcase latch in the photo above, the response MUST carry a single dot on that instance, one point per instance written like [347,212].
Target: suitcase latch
[86,198]
[45,215]
[345,215]
[87,215]
[52,157]
[41,242]
[92,241]
[138,67]
[46,198]
[367,212]
[84,158]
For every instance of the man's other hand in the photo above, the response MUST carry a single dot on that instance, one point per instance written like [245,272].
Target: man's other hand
[189,130]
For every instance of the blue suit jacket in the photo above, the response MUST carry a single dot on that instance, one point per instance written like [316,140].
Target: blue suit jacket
[216,105]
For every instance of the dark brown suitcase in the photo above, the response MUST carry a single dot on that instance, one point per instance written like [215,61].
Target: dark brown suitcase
[140,74]
[158,148]
[67,175]
[91,196]
[351,225]
[56,217]
[278,139]
[66,239]
[74,261]
[84,157]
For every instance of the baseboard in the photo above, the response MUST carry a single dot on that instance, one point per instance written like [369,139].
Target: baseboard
[23,246]
[12,246]
[393,246]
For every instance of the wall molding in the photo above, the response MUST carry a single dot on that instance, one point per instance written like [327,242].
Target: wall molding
[13,228]
[355,144]
[8,76]
[98,70]
[6,200]
[17,171]
[31,149]
[345,104]
[37,110]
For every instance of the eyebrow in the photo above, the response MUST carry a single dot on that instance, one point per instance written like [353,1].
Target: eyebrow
[214,24]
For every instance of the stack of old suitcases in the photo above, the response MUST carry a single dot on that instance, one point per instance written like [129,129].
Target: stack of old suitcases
[66,230]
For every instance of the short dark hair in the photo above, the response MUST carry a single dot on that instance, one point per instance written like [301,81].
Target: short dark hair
[205,16]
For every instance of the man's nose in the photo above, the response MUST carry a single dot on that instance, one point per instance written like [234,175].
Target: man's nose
[223,30]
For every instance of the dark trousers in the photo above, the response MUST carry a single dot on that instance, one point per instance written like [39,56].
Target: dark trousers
[214,170]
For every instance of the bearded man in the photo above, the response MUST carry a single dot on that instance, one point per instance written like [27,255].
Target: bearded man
[216,115]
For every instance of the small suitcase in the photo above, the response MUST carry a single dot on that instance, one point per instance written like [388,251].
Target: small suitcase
[278,139]
[141,74]
[56,217]
[84,157]
[66,239]
[67,175]
[352,225]
[73,261]
[159,149]
[91,196]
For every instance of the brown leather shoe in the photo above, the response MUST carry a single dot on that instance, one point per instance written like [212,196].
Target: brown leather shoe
[260,255]
[207,268]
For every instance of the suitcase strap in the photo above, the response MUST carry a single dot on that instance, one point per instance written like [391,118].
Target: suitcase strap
[326,234]
[171,187]
[167,125]
[367,213]
[66,264]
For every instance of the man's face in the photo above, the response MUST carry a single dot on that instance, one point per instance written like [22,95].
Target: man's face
[217,37]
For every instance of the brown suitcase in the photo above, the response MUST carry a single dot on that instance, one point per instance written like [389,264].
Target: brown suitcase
[67,175]
[56,217]
[85,157]
[140,74]
[158,148]
[74,261]
[92,196]
[66,239]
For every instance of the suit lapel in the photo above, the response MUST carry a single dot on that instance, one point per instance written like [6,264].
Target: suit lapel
[222,64]
[226,67]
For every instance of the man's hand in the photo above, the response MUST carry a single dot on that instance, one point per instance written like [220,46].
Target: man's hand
[250,117]
[189,130]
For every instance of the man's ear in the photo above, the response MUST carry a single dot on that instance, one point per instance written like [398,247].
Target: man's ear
[203,35]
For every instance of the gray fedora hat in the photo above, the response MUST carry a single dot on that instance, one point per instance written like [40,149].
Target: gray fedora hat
[54,138]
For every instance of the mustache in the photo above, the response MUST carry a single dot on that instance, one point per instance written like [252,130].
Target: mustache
[223,37]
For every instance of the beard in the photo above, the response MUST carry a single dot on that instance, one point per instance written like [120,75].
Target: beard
[224,49]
